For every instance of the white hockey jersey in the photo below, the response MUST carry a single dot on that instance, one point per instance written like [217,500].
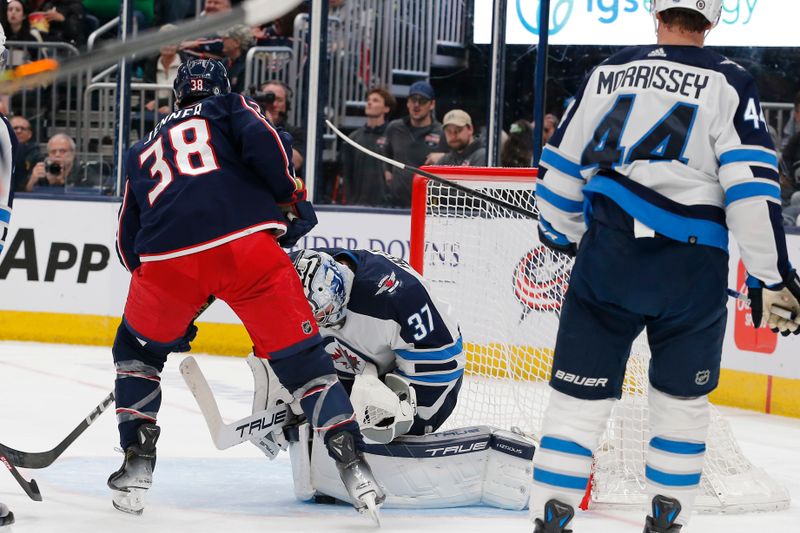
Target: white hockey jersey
[8,147]
[675,136]
[395,323]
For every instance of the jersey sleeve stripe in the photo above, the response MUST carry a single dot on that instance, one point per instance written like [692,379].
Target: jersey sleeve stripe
[750,190]
[560,163]
[277,137]
[433,355]
[564,446]
[5,214]
[677,447]
[558,201]
[744,155]
[434,378]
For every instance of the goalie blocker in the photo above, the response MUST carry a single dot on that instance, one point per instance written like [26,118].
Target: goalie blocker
[466,466]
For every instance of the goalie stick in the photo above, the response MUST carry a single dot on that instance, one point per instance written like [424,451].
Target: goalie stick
[433,177]
[30,487]
[227,435]
[45,459]
[36,73]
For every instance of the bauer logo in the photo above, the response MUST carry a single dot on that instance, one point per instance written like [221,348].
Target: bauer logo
[746,337]
[540,281]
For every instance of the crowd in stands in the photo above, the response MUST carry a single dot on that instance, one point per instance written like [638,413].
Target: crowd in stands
[417,138]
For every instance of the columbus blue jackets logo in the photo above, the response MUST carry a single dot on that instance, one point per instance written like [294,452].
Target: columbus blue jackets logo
[540,281]
[388,284]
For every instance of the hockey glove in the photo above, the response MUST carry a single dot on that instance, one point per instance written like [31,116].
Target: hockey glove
[554,240]
[785,295]
[300,220]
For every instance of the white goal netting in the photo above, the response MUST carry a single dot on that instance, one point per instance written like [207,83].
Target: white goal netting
[506,290]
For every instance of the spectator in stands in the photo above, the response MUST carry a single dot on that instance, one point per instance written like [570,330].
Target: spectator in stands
[279,32]
[58,168]
[792,127]
[235,43]
[208,47]
[16,25]
[162,70]
[517,151]
[275,99]
[465,150]
[550,126]
[65,18]
[105,10]
[27,152]
[414,140]
[363,179]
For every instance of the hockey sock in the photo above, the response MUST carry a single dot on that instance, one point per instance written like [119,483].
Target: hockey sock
[137,387]
[563,462]
[310,377]
[675,456]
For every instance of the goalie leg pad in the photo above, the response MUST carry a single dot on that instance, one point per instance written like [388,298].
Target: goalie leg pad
[570,433]
[137,387]
[311,379]
[676,454]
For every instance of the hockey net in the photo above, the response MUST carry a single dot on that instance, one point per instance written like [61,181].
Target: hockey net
[506,289]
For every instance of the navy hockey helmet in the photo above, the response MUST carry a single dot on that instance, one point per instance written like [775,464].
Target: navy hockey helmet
[198,79]
[326,284]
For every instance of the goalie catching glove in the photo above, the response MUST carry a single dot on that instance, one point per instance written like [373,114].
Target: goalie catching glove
[785,295]
[385,409]
[300,219]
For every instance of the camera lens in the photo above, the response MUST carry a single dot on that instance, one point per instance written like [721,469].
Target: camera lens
[53,168]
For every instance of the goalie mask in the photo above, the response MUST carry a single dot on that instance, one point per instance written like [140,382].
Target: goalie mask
[326,284]
[710,9]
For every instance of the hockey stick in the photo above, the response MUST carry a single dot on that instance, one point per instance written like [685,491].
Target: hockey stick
[30,488]
[433,177]
[44,459]
[227,435]
[37,73]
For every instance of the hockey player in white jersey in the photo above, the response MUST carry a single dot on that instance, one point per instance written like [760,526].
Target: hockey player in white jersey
[8,147]
[664,150]
[399,352]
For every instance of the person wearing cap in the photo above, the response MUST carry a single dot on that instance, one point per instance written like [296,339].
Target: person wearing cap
[362,175]
[465,151]
[415,140]
[235,42]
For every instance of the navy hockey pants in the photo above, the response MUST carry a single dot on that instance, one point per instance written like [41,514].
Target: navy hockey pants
[621,285]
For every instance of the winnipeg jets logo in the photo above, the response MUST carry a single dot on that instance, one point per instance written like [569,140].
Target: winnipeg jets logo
[345,361]
[658,52]
[388,284]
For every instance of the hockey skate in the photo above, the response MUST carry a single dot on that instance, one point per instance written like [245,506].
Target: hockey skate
[557,516]
[665,512]
[129,484]
[356,475]
[6,516]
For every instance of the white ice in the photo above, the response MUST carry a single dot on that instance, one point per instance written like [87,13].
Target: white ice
[45,390]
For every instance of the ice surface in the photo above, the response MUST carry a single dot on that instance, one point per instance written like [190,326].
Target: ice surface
[46,389]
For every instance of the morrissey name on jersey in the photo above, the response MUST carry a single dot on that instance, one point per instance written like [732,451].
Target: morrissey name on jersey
[665,78]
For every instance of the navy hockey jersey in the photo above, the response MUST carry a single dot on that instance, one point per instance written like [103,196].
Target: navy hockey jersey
[395,323]
[206,175]
[8,147]
[675,137]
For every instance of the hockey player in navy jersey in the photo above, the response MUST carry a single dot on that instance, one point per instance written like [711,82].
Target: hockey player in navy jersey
[663,152]
[8,147]
[210,198]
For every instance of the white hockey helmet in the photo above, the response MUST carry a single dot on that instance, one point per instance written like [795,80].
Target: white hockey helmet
[326,284]
[710,9]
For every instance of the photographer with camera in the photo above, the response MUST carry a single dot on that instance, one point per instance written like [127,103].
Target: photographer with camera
[273,97]
[58,166]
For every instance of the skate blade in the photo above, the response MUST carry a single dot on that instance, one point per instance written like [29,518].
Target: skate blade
[370,508]
[130,501]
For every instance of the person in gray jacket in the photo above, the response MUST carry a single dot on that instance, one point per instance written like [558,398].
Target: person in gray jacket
[465,150]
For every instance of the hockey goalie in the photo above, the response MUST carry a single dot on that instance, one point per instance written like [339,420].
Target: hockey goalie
[399,352]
